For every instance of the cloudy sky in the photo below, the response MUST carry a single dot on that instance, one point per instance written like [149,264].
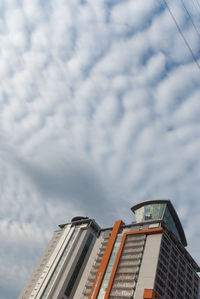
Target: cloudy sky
[99,109]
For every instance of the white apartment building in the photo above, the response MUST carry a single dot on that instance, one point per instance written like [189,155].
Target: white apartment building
[145,259]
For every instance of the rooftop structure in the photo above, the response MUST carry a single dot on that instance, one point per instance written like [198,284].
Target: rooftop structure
[160,209]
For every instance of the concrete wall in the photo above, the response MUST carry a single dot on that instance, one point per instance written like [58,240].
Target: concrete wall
[44,259]
[149,265]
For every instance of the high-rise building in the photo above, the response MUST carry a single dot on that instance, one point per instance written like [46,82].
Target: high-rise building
[145,259]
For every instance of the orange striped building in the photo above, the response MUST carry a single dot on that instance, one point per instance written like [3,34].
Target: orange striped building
[146,259]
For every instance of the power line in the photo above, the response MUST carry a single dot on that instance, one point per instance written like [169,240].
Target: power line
[190,16]
[198,4]
[181,33]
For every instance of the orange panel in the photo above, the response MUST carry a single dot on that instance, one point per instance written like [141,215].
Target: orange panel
[150,294]
[147,232]
[102,268]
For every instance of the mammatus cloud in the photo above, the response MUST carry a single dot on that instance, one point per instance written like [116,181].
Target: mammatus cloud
[98,109]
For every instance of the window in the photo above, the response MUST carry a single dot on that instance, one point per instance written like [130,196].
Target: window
[171,224]
[109,268]
[170,293]
[171,277]
[150,212]
[160,282]
[162,267]
[164,253]
[158,289]
[173,271]
[78,265]
[161,274]
[166,241]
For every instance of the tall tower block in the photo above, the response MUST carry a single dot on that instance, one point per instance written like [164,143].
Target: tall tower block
[146,259]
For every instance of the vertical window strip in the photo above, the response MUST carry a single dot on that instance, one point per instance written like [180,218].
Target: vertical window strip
[109,268]
[59,264]
[78,265]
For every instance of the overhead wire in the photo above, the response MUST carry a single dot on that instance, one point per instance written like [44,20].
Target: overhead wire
[198,4]
[182,35]
[191,19]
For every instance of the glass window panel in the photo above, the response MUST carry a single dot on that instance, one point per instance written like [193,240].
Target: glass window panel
[78,265]
[109,268]
[150,212]
[171,224]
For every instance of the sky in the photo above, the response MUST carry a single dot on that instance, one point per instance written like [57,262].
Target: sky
[99,110]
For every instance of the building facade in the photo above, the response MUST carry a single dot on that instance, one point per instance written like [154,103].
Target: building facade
[145,259]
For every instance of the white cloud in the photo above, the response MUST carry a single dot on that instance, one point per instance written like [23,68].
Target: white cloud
[176,88]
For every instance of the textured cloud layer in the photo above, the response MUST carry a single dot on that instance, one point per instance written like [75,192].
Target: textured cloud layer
[99,109]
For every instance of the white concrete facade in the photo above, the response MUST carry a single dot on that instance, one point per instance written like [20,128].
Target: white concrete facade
[147,274]
[50,281]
